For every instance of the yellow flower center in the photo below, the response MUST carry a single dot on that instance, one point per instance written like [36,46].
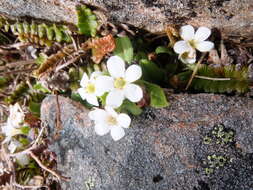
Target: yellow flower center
[119,83]
[185,55]
[111,121]
[192,43]
[90,88]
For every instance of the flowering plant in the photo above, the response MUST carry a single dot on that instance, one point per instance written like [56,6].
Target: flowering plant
[119,89]
[15,126]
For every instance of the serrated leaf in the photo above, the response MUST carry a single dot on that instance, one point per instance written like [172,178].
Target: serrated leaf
[124,49]
[157,95]
[130,107]
[151,72]
[87,21]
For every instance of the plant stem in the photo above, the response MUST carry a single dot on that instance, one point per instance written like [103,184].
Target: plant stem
[195,70]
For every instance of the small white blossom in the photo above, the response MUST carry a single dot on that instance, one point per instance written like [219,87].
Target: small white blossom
[22,159]
[107,120]
[14,121]
[89,90]
[121,86]
[188,56]
[192,40]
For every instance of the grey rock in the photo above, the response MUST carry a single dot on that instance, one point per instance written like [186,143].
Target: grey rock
[163,150]
[233,17]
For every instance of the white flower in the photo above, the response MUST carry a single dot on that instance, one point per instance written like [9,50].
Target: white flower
[14,121]
[188,56]
[110,121]
[191,41]
[89,90]
[22,159]
[122,82]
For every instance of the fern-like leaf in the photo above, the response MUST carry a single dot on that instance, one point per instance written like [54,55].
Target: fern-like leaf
[218,80]
[87,21]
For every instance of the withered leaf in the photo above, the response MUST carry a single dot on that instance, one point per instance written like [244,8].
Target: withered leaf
[5,178]
[33,121]
[101,46]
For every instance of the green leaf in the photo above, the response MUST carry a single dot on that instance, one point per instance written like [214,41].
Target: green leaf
[157,96]
[3,81]
[34,107]
[24,141]
[87,21]
[130,107]
[41,88]
[163,49]
[58,33]
[103,98]
[41,59]
[140,55]
[124,49]
[151,72]
[25,130]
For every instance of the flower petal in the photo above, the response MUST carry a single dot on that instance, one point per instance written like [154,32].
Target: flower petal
[116,67]
[103,84]
[133,73]
[115,98]
[92,99]
[187,32]
[124,120]
[14,145]
[202,34]
[204,46]
[84,80]
[111,111]
[133,92]
[98,115]
[188,57]
[101,129]
[22,159]
[117,133]
[82,93]
[186,60]
[95,74]
[181,47]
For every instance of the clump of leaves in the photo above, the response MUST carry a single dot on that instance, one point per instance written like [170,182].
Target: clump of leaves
[214,162]
[220,135]
[87,21]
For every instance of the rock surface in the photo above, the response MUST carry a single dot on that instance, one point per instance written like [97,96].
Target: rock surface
[165,149]
[233,17]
